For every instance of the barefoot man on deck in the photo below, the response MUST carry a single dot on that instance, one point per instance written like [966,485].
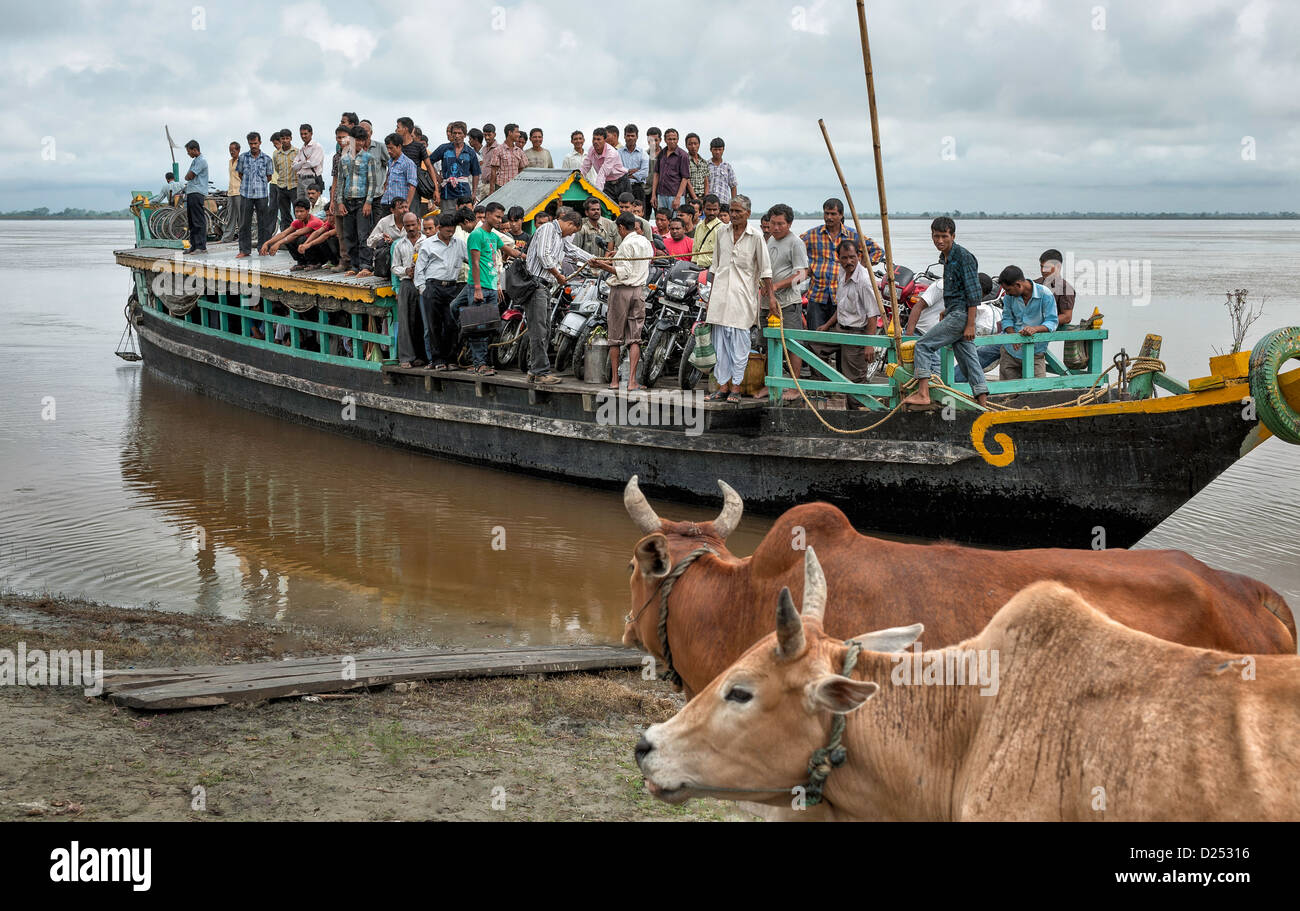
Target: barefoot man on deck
[961,298]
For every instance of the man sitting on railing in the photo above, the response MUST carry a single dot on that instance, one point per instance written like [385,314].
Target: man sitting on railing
[961,298]
[1029,309]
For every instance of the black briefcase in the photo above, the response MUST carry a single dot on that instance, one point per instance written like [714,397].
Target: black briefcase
[481,318]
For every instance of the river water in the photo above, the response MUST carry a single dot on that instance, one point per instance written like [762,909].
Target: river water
[139,493]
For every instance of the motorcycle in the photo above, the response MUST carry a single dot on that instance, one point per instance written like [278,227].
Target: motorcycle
[688,375]
[675,313]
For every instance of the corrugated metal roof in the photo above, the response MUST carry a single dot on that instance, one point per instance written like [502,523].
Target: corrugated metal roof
[534,187]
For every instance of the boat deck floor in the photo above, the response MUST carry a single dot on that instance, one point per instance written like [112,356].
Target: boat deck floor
[224,257]
[569,385]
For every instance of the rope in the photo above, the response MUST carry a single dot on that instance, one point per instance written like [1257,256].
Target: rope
[907,387]
[832,756]
[666,589]
[1132,367]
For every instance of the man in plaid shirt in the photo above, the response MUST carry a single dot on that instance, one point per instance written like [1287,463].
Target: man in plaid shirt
[823,267]
[961,298]
[254,168]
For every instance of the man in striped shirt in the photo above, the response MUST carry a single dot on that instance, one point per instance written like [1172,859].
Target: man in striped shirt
[504,162]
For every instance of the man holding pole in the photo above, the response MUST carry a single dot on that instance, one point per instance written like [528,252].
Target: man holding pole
[961,299]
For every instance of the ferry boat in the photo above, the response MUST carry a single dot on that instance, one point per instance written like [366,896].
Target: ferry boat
[1046,471]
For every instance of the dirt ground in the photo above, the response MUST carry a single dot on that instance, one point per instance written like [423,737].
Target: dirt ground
[530,748]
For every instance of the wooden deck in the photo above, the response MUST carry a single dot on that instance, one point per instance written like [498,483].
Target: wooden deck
[570,386]
[271,271]
[200,686]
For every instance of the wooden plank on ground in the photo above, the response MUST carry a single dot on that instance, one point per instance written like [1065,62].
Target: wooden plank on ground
[209,685]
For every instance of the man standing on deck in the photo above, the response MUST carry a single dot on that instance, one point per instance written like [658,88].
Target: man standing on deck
[437,270]
[414,149]
[742,274]
[789,258]
[706,233]
[356,173]
[961,300]
[196,191]
[483,246]
[547,251]
[823,266]
[284,182]
[855,312]
[672,174]
[604,164]
[536,155]
[400,182]
[254,168]
[505,161]
[598,235]
[627,298]
[1050,265]
[309,165]
[637,164]
[234,203]
[408,297]
[459,171]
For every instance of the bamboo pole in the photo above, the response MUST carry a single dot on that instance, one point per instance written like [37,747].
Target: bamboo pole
[848,197]
[880,178]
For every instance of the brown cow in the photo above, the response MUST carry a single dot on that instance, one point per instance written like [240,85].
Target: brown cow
[1081,719]
[718,605]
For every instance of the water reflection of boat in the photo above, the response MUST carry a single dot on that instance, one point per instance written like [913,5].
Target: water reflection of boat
[362,534]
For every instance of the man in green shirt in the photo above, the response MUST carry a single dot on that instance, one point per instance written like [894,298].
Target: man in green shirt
[483,245]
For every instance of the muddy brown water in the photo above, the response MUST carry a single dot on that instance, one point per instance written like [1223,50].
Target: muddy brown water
[138,492]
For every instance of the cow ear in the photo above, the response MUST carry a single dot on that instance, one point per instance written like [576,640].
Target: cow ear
[894,639]
[840,694]
[652,556]
[789,628]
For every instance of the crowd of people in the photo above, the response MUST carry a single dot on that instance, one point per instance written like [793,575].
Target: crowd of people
[415,216]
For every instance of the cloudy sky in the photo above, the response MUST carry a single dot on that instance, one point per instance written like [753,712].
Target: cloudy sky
[993,105]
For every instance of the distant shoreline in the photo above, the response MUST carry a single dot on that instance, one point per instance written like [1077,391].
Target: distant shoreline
[874,216]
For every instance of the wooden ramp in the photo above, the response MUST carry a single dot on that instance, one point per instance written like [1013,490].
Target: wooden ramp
[222,684]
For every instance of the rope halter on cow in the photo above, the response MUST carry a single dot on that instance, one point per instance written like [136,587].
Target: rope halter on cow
[666,589]
[830,757]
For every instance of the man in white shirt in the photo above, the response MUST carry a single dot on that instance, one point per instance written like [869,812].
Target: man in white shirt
[437,269]
[627,298]
[408,300]
[308,166]
[386,231]
[742,273]
[856,311]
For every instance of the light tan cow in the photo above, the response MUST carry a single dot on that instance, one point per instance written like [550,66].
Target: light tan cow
[1081,718]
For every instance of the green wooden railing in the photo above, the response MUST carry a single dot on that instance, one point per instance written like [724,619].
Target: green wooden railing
[234,317]
[875,395]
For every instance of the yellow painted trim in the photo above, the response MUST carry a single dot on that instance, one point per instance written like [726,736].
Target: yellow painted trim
[1007,455]
[559,191]
[266,280]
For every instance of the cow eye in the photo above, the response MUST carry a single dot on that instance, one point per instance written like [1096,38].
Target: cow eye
[736,694]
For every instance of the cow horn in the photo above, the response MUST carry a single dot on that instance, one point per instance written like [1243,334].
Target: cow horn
[732,508]
[814,587]
[638,507]
[789,628]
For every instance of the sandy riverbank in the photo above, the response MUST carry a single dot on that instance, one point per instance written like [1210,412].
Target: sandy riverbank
[554,748]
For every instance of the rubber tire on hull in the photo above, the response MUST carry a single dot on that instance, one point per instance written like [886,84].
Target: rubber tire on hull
[1266,360]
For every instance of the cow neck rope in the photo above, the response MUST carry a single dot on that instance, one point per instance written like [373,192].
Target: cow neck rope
[823,760]
[666,589]
[831,756]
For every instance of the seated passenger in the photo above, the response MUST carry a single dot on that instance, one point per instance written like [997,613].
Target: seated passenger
[1028,309]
